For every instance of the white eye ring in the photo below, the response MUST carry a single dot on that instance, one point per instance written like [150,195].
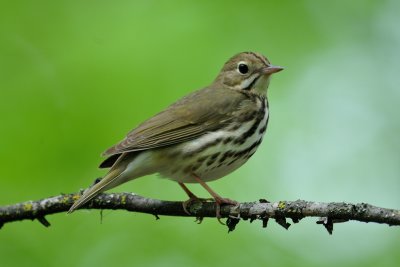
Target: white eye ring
[242,67]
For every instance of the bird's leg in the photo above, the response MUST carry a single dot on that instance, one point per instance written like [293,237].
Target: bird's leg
[218,199]
[187,191]
[192,197]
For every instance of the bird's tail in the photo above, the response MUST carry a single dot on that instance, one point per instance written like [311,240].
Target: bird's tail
[109,181]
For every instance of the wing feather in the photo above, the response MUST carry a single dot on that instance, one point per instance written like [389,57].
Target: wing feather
[188,118]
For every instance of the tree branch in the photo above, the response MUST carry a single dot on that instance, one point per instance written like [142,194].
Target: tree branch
[263,210]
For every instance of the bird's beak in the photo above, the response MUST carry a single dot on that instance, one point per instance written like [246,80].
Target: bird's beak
[271,69]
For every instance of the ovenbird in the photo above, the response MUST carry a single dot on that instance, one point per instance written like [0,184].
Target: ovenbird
[201,137]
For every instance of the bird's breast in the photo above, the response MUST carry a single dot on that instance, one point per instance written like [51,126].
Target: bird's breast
[218,153]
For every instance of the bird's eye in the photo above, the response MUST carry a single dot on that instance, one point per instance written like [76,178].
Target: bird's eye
[243,68]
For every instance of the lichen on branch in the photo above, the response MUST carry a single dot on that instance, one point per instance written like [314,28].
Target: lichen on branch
[329,213]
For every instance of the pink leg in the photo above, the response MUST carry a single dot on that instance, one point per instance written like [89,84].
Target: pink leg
[218,199]
[187,191]
[192,197]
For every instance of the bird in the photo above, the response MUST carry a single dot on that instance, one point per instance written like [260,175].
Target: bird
[202,137]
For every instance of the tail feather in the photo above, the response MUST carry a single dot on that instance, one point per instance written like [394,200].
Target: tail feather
[96,189]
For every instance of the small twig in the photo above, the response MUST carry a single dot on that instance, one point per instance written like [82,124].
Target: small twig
[43,221]
[262,210]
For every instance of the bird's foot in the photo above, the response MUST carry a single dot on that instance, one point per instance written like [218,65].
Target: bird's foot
[186,204]
[219,201]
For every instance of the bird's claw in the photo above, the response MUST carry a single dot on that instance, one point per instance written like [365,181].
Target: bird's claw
[186,204]
[223,201]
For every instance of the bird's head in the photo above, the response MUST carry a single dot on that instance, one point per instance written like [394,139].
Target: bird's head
[247,71]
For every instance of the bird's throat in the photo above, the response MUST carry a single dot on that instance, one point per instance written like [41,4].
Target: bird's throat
[261,84]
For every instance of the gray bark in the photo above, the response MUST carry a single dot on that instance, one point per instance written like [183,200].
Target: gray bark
[263,210]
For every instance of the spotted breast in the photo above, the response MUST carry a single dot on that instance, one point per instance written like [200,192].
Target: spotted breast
[219,153]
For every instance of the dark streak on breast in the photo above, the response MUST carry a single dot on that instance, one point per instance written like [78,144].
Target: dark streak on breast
[259,117]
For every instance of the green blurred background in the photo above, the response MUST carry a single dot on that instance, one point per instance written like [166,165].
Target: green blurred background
[76,76]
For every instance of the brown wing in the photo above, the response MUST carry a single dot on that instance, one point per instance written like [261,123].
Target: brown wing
[192,116]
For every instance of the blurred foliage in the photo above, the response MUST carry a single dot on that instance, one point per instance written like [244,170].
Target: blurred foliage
[75,76]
